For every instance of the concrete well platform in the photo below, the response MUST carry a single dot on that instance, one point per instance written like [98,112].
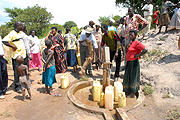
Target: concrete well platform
[85,102]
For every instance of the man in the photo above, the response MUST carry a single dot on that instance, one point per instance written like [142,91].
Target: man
[148,12]
[87,35]
[112,40]
[15,42]
[111,27]
[3,73]
[26,40]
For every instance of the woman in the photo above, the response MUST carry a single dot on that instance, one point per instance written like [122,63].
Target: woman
[71,48]
[35,51]
[58,46]
[132,71]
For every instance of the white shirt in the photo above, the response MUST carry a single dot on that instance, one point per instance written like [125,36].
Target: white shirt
[150,8]
[1,47]
[35,43]
[91,38]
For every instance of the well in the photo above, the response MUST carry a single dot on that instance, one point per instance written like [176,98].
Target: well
[81,95]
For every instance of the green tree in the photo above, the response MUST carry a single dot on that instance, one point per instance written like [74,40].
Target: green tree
[103,19]
[36,18]
[116,17]
[69,24]
[74,30]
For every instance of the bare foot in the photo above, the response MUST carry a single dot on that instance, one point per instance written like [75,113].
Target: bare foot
[24,100]
[131,95]
[31,98]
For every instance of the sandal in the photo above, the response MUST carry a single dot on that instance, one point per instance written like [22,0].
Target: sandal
[53,93]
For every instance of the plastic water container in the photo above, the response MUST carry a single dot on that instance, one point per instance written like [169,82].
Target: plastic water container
[118,87]
[109,97]
[79,59]
[102,99]
[64,81]
[122,99]
[96,90]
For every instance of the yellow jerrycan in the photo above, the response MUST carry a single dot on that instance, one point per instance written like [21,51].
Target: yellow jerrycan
[109,97]
[117,89]
[96,90]
[102,99]
[122,99]
[64,81]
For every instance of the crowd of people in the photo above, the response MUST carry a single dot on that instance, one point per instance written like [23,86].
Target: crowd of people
[61,50]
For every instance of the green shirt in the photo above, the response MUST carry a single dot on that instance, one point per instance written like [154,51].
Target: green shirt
[111,40]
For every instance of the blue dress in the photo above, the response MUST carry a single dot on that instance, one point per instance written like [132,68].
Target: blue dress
[48,77]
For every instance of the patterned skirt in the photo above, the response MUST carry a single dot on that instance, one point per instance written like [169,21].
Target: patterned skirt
[132,77]
[60,60]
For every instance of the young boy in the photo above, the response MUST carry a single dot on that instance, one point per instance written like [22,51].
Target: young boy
[24,80]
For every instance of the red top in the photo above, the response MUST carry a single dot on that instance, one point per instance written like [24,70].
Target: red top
[155,15]
[135,48]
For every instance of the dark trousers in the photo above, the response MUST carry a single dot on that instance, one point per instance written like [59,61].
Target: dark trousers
[3,76]
[16,75]
[118,61]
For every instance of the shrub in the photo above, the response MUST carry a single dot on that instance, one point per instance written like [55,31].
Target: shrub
[148,90]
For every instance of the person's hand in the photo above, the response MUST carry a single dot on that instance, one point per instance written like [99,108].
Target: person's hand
[57,45]
[85,39]
[136,56]
[116,54]
[30,58]
[48,66]
[14,48]
[50,32]
[44,69]
[52,47]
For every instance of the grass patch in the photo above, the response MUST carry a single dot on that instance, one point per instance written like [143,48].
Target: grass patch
[168,95]
[7,114]
[173,114]
[163,38]
[85,78]
[148,90]
[154,55]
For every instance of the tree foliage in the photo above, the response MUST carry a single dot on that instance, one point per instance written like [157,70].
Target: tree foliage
[69,24]
[104,19]
[138,4]
[36,18]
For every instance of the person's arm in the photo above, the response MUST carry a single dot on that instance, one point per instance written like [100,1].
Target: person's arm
[9,45]
[50,32]
[51,54]
[43,57]
[141,53]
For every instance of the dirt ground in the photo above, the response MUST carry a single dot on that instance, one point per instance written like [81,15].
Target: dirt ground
[162,74]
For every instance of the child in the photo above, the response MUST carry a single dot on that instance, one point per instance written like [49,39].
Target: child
[49,69]
[24,80]
[156,17]
[132,71]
